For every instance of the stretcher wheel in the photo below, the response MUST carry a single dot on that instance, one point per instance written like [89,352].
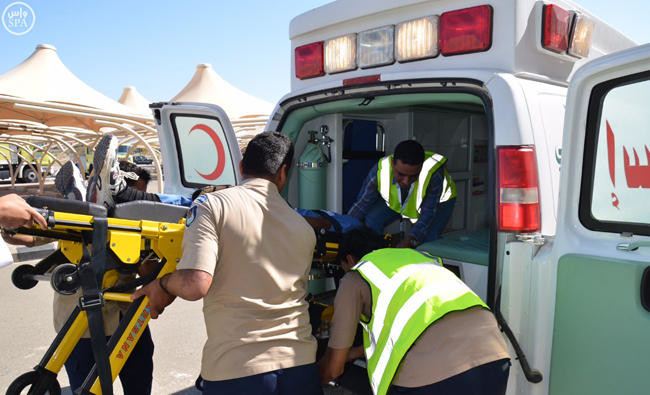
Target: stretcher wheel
[65,279]
[21,277]
[37,382]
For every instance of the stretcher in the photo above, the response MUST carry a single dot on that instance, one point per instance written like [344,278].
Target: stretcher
[94,250]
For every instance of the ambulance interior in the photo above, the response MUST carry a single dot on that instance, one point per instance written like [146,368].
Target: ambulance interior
[364,129]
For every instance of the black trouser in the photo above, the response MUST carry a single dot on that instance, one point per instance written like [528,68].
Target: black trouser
[130,194]
[136,374]
[487,379]
[301,380]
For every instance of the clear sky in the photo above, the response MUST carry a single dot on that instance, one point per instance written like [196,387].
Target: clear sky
[156,45]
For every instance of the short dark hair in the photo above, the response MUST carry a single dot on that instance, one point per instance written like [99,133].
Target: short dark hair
[142,173]
[409,152]
[359,242]
[266,153]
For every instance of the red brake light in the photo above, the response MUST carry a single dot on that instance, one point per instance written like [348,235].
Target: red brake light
[557,22]
[309,60]
[518,189]
[465,31]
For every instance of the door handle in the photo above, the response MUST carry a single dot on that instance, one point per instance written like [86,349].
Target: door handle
[633,246]
[645,289]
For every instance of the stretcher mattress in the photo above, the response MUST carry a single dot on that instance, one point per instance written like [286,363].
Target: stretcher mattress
[468,247]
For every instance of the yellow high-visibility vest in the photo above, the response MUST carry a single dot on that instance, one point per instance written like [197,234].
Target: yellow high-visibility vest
[410,208]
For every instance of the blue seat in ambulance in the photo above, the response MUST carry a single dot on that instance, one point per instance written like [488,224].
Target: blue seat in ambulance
[362,149]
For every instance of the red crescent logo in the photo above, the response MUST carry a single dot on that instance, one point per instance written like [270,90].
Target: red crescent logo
[221,153]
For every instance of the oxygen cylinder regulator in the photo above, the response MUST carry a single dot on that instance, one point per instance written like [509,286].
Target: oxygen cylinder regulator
[312,170]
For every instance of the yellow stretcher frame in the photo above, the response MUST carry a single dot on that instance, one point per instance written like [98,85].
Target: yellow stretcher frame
[126,239]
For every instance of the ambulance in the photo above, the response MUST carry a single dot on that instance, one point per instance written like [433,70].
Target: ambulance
[541,110]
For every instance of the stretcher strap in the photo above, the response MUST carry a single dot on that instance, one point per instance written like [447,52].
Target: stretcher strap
[91,273]
[131,285]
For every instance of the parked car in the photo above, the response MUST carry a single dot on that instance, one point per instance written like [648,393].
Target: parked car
[142,160]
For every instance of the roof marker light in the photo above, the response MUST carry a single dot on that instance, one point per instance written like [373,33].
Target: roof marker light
[555,28]
[376,47]
[417,39]
[368,79]
[309,60]
[583,31]
[466,31]
[341,54]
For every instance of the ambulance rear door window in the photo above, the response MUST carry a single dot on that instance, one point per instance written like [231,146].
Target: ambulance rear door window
[615,193]
[204,153]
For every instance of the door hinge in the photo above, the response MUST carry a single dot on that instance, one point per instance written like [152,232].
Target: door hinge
[531,238]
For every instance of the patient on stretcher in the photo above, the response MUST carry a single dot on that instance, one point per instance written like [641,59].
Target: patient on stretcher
[114,183]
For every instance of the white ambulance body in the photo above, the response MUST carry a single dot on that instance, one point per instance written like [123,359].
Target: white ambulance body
[558,255]
[485,85]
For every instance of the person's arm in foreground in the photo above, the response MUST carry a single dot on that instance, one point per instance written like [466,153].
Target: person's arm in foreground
[189,284]
[193,278]
[15,212]
[347,311]
[368,195]
[332,364]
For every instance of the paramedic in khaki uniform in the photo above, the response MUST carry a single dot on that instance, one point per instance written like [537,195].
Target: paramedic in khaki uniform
[247,253]
[410,184]
[425,331]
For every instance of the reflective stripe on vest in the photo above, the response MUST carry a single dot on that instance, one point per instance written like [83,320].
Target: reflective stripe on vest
[410,208]
[407,288]
[448,188]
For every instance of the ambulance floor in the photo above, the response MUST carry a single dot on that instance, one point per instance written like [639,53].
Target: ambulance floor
[471,247]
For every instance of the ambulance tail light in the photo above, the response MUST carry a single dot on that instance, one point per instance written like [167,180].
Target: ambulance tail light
[465,31]
[518,200]
[309,60]
[583,31]
[555,28]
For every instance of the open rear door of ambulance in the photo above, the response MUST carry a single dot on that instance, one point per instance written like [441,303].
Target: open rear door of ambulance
[601,329]
[198,146]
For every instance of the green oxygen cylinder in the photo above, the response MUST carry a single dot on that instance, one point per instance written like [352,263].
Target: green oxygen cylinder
[312,177]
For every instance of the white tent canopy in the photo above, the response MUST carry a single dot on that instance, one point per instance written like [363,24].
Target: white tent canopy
[43,77]
[44,104]
[208,87]
[132,99]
